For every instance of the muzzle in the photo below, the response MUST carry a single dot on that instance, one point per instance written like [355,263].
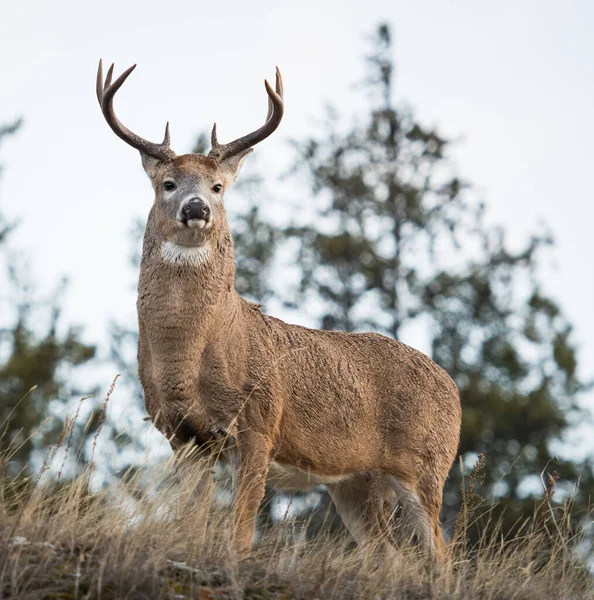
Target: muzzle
[196,213]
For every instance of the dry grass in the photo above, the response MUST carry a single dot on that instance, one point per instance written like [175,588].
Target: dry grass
[149,536]
[129,542]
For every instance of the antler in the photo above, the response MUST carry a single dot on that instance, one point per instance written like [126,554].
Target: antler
[273,119]
[105,93]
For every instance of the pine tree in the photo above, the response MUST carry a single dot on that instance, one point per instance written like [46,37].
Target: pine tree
[35,361]
[396,241]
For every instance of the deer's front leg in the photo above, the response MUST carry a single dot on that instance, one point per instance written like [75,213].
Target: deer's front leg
[251,469]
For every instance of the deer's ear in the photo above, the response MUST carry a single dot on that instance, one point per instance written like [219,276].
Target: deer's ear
[150,164]
[232,165]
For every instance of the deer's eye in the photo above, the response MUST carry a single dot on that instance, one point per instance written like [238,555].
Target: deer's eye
[169,186]
[217,188]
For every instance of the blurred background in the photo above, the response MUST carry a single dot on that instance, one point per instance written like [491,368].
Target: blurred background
[431,180]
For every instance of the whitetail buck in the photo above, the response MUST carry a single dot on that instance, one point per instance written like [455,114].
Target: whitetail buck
[367,416]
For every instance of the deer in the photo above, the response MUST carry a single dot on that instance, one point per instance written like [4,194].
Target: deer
[370,418]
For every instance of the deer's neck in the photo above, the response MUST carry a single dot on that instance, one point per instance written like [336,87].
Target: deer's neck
[186,295]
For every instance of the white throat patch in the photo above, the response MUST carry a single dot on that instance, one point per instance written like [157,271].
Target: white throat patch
[185,255]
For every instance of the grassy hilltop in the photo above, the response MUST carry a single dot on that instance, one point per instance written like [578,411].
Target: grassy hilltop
[134,539]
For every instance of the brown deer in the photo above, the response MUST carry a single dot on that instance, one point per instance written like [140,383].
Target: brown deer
[370,418]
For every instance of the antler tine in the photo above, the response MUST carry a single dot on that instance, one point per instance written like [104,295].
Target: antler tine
[279,83]
[105,94]
[279,91]
[273,119]
[109,76]
[99,86]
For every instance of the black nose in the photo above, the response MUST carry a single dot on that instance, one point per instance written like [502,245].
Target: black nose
[196,209]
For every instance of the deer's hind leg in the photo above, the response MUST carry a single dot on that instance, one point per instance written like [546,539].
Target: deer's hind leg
[360,501]
[418,520]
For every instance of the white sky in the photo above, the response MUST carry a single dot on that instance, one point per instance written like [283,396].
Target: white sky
[512,80]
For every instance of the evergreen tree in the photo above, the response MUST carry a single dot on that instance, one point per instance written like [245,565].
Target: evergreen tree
[395,241]
[35,362]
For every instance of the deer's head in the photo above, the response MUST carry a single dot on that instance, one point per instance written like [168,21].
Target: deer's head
[189,189]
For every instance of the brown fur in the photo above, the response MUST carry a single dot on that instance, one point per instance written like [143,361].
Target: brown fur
[372,418]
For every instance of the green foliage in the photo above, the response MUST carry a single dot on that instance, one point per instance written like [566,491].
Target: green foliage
[35,373]
[384,207]
[35,362]
[256,242]
[396,240]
